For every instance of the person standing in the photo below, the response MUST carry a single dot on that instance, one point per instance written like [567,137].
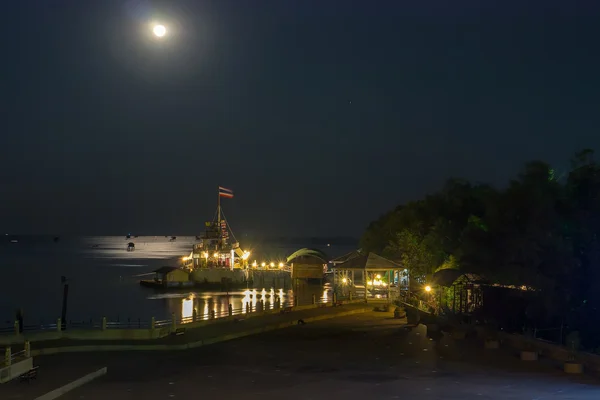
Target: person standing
[19,318]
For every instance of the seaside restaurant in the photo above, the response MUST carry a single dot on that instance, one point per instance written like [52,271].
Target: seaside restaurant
[368,276]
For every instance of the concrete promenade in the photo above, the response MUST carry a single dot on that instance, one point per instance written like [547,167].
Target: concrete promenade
[204,335]
[365,355]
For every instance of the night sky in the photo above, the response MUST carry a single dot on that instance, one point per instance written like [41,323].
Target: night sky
[319,114]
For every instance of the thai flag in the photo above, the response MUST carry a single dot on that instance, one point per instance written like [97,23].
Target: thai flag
[223,192]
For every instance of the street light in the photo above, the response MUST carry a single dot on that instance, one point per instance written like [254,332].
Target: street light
[428,288]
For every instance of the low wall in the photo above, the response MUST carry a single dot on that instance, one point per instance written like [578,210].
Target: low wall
[141,334]
[191,345]
[551,350]
[16,369]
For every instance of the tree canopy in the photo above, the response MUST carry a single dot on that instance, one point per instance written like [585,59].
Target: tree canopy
[541,231]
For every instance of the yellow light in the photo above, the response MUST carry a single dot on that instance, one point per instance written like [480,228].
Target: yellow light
[370,283]
[378,276]
[216,255]
[280,265]
[159,30]
[272,264]
[245,255]
[428,288]
[263,265]
[254,264]
[344,280]
[205,255]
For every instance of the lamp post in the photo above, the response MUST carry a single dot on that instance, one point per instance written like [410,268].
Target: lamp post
[63,318]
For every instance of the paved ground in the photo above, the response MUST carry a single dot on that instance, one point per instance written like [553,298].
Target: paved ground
[365,356]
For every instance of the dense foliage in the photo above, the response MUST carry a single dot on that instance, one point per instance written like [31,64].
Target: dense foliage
[541,231]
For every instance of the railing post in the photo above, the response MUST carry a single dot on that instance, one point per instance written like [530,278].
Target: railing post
[153,323]
[27,349]
[314,299]
[194,315]
[334,298]
[295,301]
[59,325]
[262,305]
[212,314]
[16,328]
[173,322]
[103,323]
[248,308]
[7,356]
[230,307]
[350,295]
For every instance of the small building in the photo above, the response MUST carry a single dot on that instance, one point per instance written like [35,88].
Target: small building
[368,276]
[346,257]
[458,291]
[469,294]
[172,277]
[308,264]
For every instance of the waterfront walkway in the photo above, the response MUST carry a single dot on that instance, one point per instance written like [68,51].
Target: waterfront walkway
[365,355]
[207,334]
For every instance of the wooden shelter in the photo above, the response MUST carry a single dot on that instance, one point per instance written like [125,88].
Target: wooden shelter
[367,276]
[458,291]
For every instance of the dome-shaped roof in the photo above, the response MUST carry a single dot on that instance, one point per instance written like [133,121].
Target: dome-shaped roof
[306,252]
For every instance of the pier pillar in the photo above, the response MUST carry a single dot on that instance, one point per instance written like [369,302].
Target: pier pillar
[17,330]
[262,305]
[173,322]
[153,323]
[103,323]
[230,308]
[59,324]
[248,308]
[7,356]
[212,314]
[27,349]
[194,315]
[314,299]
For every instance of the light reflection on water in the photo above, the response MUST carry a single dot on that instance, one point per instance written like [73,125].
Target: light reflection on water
[104,278]
[184,304]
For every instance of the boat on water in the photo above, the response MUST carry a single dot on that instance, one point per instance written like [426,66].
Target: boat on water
[215,261]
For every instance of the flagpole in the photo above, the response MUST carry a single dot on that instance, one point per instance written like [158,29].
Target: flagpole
[219,208]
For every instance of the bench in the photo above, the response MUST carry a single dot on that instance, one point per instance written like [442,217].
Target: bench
[29,375]
[286,310]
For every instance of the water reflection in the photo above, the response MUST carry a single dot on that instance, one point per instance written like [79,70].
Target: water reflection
[205,303]
[187,307]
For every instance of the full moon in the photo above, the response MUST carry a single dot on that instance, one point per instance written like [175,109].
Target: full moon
[159,30]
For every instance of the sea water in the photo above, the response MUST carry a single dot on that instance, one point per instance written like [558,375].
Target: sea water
[103,278]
